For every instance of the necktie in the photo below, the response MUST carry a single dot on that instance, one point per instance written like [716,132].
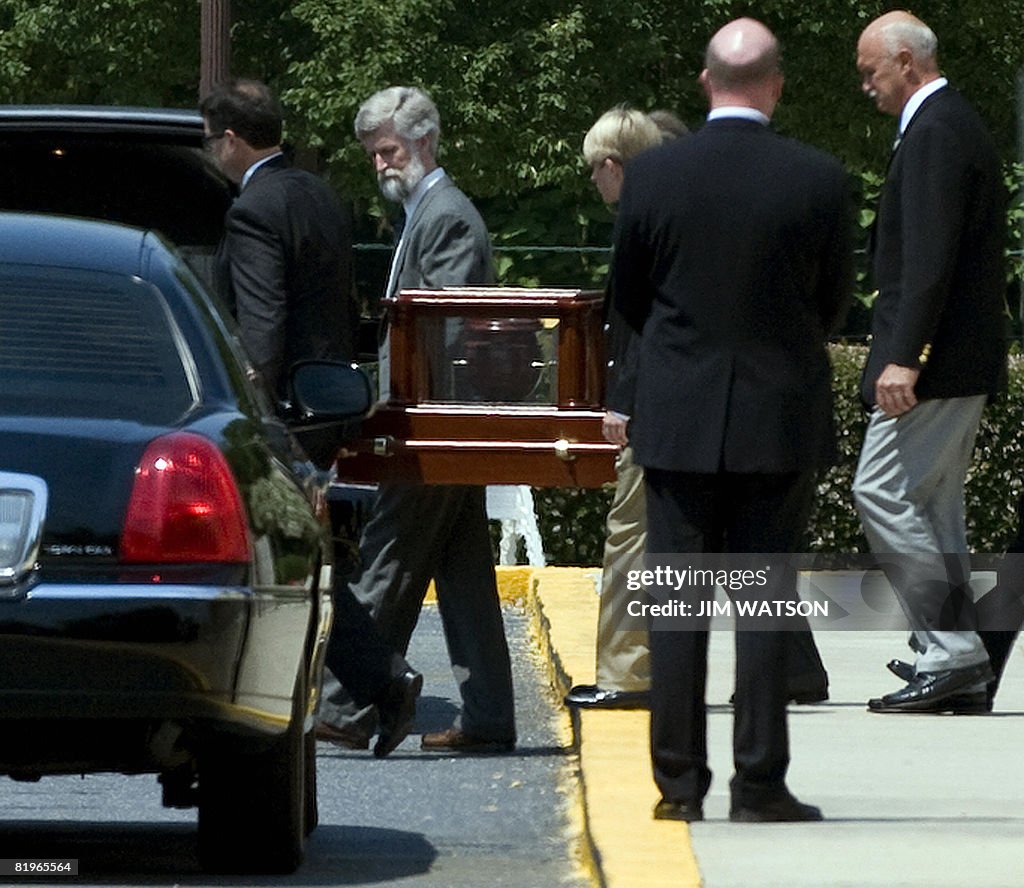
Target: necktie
[399,227]
[384,341]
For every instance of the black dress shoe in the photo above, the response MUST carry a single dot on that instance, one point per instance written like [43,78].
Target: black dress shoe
[397,712]
[594,697]
[958,704]
[978,703]
[927,690]
[801,696]
[686,811]
[901,669]
[818,695]
[782,810]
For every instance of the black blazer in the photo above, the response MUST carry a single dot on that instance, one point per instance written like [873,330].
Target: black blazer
[622,357]
[285,269]
[937,255]
[733,260]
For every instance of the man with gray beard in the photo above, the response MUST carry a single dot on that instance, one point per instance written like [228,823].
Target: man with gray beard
[416,532]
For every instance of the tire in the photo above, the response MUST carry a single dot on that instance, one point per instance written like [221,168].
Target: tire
[252,802]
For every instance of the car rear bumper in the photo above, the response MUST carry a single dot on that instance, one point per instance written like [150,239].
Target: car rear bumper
[161,652]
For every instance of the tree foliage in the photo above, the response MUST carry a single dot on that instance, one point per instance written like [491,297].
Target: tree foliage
[118,51]
[518,84]
[132,52]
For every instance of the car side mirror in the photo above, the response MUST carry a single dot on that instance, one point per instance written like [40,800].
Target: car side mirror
[328,392]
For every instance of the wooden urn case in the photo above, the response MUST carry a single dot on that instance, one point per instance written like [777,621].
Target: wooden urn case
[489,385]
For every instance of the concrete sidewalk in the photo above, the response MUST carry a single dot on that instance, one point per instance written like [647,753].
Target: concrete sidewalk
[928,801]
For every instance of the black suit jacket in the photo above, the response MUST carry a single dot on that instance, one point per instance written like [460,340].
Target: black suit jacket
[937,254]
[285,269]
[733,260]
[622,351]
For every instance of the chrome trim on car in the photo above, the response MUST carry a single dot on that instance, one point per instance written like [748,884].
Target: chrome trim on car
[130,591]
[24,560]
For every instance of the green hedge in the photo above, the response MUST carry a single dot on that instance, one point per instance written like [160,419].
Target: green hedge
[572,521]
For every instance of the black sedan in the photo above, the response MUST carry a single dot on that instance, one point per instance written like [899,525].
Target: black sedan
[164,570]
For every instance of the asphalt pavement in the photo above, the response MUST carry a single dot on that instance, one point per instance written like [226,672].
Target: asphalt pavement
[414,819]
[457,821]
[910,801]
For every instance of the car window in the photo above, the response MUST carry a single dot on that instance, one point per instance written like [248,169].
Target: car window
[245,379]
[90,344]
[135,179]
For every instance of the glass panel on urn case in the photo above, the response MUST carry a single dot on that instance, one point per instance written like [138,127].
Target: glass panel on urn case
[492,360]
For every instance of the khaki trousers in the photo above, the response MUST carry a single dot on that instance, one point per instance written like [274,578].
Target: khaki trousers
[623,661]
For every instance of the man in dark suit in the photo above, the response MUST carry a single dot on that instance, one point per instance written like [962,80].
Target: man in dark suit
[419,532]
[284,268]
[733,261]
[937,353]
[285,263]
[622,669]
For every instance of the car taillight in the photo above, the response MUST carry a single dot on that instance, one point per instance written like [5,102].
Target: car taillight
[184,506]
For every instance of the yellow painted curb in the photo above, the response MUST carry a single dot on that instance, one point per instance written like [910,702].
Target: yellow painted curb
[627,847]
[614,839]
[513,584]
[582,847]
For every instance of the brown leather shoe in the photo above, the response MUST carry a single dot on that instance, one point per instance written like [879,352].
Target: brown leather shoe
[456,740]
[349,736]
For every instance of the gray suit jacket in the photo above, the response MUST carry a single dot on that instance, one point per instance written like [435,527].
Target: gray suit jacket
[419,532]
[445,244]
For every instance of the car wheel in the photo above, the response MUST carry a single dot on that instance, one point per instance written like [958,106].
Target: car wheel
[252,806]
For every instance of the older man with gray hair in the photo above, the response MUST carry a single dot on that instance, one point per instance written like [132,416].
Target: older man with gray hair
[420,532]
[937,353]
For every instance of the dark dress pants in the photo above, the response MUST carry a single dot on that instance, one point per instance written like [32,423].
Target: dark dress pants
[1001,611]
[806,671]
[742,513]
[357,655]
[418,533]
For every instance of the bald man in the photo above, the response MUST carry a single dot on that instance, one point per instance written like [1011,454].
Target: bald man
[733,257]
[937,353]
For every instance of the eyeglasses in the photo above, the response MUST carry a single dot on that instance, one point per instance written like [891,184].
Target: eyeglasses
[210,138]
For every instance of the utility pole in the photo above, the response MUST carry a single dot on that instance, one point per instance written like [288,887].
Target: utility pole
[214,44]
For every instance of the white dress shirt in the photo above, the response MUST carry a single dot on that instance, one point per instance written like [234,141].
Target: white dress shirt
[916,100]
[248,173]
